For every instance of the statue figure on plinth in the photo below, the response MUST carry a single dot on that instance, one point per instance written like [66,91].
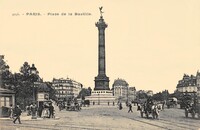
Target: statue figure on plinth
[101,12]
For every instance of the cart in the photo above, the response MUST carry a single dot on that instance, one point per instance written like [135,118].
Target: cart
[149,110]
[193,109]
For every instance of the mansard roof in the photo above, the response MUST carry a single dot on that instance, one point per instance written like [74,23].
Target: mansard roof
[187,81]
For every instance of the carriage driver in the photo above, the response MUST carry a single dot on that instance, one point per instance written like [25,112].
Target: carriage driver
[149,103]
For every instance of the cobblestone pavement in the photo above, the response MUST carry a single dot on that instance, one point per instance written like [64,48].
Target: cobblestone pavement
[106,118]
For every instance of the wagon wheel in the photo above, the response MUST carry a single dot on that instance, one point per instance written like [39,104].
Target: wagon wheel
[141,113]
[186,113]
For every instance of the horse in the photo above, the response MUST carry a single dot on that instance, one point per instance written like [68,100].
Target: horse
[155,111]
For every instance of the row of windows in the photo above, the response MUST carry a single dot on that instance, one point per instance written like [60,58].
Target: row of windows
[64,87]
[67,81]
[64,91]
[67,85]
[5,101]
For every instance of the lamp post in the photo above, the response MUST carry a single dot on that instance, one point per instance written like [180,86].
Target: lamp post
[33,72]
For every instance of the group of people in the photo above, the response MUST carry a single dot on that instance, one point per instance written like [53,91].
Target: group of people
[45,110]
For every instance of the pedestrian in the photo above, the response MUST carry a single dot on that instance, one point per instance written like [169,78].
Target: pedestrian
[51,111]
[163,105]
[28,109]
[130,108]
[60,106]
[120,106]
[34,110]
[45,112]
[40,109]
[17,113]
[11,111]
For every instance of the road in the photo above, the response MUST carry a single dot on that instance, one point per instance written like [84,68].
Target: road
[107,118]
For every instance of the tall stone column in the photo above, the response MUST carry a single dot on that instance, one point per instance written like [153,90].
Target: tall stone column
[101,81]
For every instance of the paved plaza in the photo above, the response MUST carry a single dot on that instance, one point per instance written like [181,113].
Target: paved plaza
[105,118]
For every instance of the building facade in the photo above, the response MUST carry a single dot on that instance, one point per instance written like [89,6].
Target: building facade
[198,84]
[66,88]
[188,83]
[120,89]
[7,98]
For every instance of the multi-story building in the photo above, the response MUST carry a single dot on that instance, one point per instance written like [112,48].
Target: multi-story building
[198,84]
[120,89]
[66,88]
[188,83]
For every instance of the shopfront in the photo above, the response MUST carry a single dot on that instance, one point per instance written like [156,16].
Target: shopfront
[7,98]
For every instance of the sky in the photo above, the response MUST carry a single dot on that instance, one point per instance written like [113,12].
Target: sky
[149,43]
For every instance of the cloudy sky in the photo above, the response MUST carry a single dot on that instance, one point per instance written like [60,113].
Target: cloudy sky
[149,43]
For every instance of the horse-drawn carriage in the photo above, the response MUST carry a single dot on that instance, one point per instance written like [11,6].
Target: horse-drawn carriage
[171,102]
[148,108]
[192,107]
[193,110]
[72,105]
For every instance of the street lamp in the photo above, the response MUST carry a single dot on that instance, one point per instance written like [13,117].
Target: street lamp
[33,72]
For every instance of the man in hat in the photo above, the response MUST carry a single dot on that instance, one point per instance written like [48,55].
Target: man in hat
[17,113]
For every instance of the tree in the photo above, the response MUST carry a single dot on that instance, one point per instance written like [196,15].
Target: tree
[161,96]
[28,75]
[141,95]
[90,90]
[158,96]
[24,84]
[6,77]
[25,69]
[2,63]
[84,92]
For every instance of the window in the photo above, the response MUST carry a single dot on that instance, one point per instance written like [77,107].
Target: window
[7,101]
[1,101]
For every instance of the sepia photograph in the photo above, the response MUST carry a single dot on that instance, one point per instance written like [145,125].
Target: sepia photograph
[100,65]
